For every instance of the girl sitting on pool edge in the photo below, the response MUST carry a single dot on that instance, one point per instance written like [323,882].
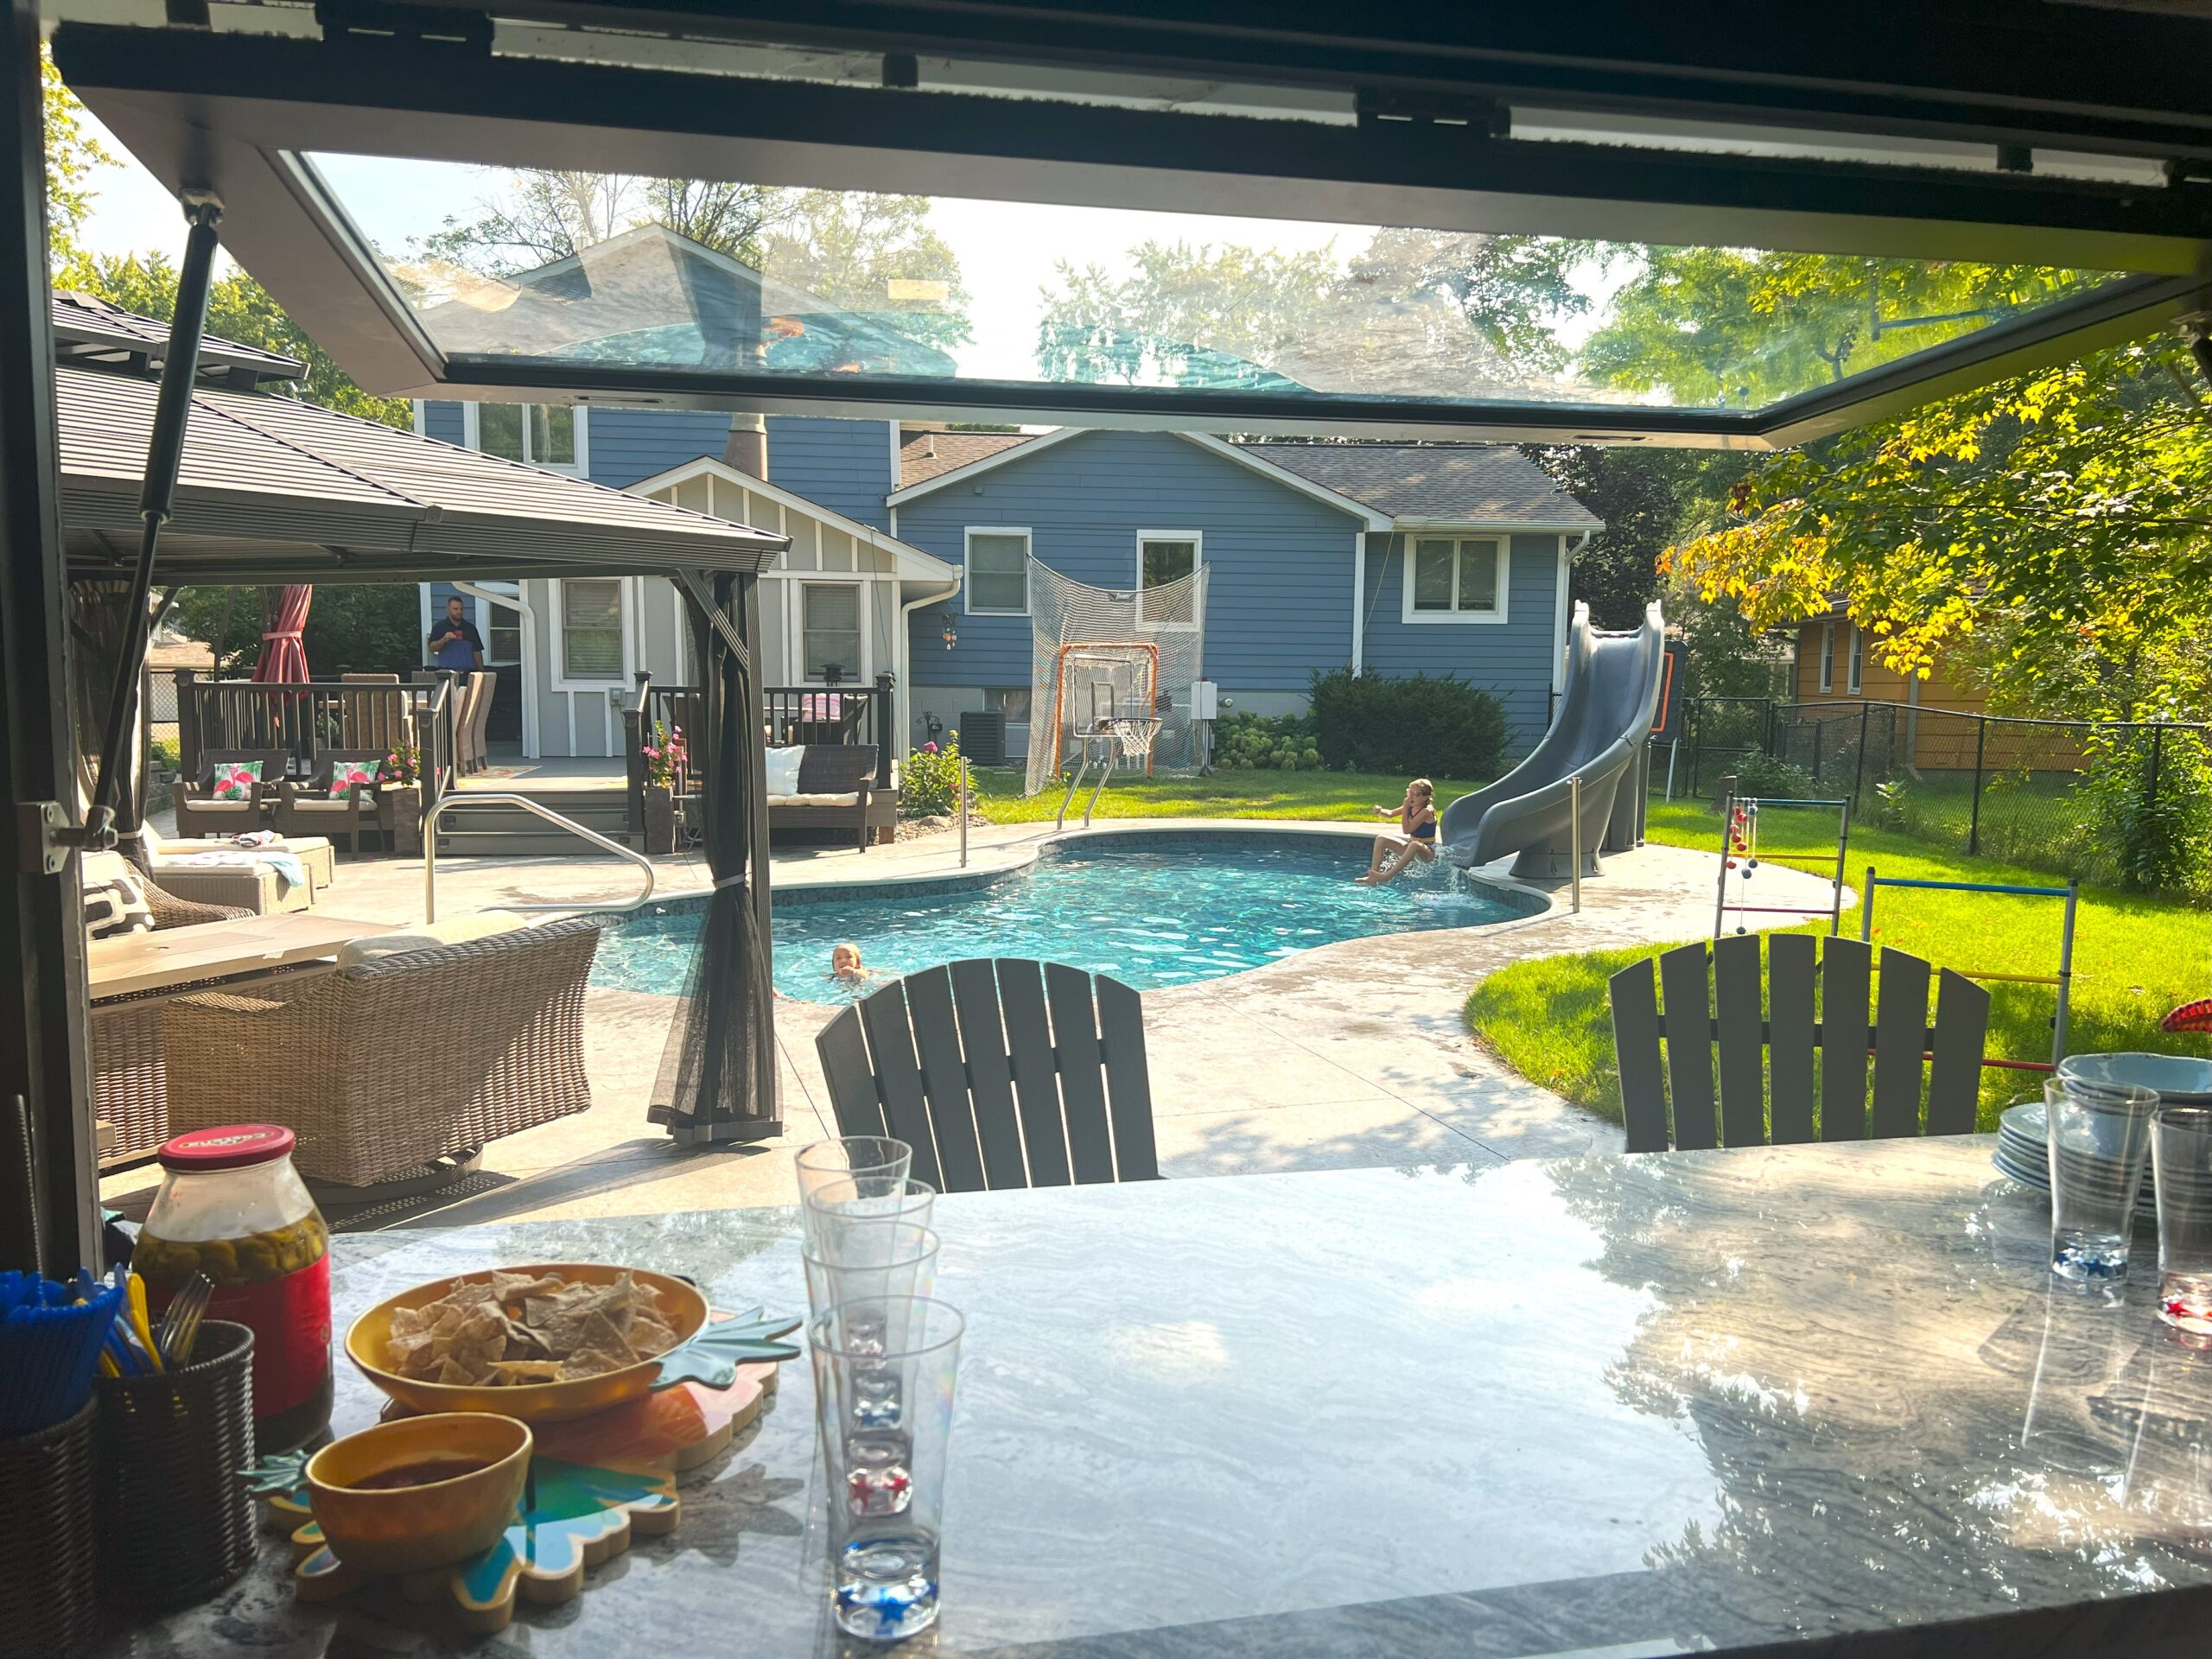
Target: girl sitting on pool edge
[1416,836]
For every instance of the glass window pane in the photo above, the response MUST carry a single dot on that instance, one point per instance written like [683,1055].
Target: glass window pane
[499,429]
[591,630]
[1478,575]
[553,434]
[998,573]
[1431,575]
[1167,561]
[831,626]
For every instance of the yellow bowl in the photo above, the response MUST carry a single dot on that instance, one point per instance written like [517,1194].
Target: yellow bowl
[410,1528]
[682,1307]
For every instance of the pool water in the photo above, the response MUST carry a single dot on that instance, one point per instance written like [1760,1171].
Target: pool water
[1150,915]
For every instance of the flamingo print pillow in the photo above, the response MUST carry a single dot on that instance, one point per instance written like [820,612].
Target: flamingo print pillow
[344,774]
[234,780]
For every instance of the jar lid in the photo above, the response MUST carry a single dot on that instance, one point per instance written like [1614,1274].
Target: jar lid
[233,1146]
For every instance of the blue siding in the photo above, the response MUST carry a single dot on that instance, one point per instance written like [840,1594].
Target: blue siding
[844,465]
[1280,595]
[442,421]
[628,444]
[1511,658]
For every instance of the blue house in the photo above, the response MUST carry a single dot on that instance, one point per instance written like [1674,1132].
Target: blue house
[1390,558]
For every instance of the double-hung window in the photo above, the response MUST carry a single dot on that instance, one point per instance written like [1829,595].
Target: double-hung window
[998,572]
[591,628]
[829,631]
[1456,579]
[550,435]
[1858,659]
[1827,656]
[1165,558]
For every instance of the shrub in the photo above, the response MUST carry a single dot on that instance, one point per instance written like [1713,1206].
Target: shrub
[929,782]
[1779,780]
[169,755]
[1266,743]
[2155,824]
[1432,724]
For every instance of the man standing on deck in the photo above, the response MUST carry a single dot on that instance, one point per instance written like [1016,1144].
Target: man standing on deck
[455,643]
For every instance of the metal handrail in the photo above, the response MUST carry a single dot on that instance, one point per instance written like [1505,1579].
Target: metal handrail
[500,797]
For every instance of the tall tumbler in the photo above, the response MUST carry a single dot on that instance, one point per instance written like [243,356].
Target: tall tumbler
[883,1375]
[867,1261]
[2181,1157]
[2100,1139]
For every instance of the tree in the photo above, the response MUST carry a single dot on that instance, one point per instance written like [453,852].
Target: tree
[1650,500]
[353,628]
[72,157]
[862,252]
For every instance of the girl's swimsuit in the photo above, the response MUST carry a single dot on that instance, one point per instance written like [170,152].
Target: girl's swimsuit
[1425,830]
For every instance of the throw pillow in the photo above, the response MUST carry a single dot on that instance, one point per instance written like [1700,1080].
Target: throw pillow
[115,896]
[783,769]
[234,779]
[344,774]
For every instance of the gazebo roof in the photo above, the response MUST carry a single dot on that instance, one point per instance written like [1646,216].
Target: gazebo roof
[274,490]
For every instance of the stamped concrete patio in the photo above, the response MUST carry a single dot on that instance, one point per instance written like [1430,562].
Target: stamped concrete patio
[1350,1054]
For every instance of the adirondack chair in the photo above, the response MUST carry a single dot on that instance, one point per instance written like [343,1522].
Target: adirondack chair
[1900,1040]
[961,1064]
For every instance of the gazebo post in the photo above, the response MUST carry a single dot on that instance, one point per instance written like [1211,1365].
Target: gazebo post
[753,772]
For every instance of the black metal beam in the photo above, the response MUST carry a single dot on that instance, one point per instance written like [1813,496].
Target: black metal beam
[42,1003]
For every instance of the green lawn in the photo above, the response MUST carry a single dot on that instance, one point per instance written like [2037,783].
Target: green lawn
[1224,795]
[2134,958]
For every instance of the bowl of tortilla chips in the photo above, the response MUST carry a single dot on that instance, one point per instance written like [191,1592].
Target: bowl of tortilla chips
[543,1342]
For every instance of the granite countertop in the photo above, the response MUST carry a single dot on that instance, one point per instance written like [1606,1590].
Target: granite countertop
[1672,1403]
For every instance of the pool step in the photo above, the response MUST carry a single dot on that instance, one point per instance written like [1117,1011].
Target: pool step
[510,832]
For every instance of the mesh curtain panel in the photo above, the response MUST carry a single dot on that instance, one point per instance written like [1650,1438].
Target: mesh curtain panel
[717,1078]
[1083,639]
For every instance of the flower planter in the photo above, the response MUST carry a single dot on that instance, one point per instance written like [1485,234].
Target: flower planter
[660,818]
[399,815]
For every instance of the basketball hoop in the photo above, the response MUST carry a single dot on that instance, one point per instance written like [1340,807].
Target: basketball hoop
[1133,736]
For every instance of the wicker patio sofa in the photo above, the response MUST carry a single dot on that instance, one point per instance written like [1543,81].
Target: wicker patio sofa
[394,1060]
[836,791]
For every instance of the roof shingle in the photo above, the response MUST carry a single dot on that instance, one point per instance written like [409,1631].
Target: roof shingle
[926,455]
[1454,483]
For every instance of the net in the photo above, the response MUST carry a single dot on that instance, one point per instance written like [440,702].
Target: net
[1102,657]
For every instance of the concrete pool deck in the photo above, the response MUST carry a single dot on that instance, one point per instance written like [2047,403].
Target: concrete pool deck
[1350,1055]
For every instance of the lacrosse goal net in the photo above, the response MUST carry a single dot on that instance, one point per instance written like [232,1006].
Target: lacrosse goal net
[1108,665]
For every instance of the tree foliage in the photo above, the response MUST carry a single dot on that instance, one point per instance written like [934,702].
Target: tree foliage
[875,254]
[353,628]
[1650,500]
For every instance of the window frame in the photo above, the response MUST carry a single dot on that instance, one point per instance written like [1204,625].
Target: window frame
[1458,536]
[561,679]
[857,671]
[967,534]
[1827,657]
[471,437]
[1196,538]
[1855,681]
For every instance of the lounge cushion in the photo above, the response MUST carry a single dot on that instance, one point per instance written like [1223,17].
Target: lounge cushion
[343,804]
[782,769]
[242,808]
[459,930]
[852,799]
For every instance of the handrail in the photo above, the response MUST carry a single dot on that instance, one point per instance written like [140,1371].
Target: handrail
[499,798]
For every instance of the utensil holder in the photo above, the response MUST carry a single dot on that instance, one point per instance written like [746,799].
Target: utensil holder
[176,1521]
[47,1559]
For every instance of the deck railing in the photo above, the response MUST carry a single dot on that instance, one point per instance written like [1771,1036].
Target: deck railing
[793,714]
[307,719]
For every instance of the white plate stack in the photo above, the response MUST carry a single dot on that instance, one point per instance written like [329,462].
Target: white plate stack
[2024,1154]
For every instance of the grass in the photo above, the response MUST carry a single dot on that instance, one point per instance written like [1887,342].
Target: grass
[2135,957]
[1321,794]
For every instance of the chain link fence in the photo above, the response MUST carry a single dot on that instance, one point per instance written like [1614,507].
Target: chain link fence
[2126,804]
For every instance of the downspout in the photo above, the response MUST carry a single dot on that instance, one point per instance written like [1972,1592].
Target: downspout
[904,644]
[529,657]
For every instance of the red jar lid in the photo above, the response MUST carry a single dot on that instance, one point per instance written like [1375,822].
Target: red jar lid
[233,1146]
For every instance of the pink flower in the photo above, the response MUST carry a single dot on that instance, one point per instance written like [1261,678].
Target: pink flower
[929,748]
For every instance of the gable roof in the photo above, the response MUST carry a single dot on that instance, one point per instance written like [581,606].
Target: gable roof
[913,563]
[923,455]
[1381,484]
[1438,483]
[89,330]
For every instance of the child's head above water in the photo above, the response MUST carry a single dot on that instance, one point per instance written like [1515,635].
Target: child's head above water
[845,962]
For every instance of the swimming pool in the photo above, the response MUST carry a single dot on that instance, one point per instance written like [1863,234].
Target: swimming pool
[1150,910]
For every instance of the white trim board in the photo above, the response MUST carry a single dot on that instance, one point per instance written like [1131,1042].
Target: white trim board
[926,566]
[1198,541]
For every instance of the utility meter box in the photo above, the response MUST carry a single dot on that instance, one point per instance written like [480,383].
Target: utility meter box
[1205,700]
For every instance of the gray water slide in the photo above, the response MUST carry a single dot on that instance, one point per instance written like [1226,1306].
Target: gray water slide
[1600,734]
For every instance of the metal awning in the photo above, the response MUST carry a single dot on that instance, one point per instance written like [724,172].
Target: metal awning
[274,490]
[2058,140]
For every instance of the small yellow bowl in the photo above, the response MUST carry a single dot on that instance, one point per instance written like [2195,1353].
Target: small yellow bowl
[682,1307]
[411,1528]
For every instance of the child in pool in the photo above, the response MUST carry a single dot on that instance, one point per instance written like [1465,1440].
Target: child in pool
[1416,817]
[845,965]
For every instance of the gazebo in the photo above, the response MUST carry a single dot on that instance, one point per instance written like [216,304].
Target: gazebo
[271,490]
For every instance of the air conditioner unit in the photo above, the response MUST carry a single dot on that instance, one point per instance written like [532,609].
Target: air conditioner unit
[983,736]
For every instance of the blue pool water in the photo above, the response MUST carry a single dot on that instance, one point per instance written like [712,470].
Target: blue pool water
[1152,914]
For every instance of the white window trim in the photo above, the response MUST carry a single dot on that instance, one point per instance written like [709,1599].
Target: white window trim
[1856,665]
[472,438]
[967,587]
[1827,656]
[1196,538]
[1455,535]
[560,682]
[864,673]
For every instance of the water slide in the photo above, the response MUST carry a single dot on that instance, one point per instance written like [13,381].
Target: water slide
[1600,734]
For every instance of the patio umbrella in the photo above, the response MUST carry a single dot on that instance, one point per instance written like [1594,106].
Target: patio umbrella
[283,659]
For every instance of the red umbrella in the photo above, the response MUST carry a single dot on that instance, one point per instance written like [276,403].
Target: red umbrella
[283,659]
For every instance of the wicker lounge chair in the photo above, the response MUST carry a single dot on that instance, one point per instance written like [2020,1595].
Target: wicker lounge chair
[199,814]
[309,810]
[339,1057]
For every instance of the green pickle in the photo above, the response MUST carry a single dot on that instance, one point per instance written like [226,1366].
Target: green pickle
[165,1265]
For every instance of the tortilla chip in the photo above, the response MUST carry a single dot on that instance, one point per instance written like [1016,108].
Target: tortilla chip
[453,1374]
[527,1370]
[593,1362]
[519,1328]
[649,1338]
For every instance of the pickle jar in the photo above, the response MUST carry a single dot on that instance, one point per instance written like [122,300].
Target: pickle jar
[232,1206]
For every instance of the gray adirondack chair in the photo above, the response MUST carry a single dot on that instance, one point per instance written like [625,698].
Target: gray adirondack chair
[1900,1040]
[965,1064]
